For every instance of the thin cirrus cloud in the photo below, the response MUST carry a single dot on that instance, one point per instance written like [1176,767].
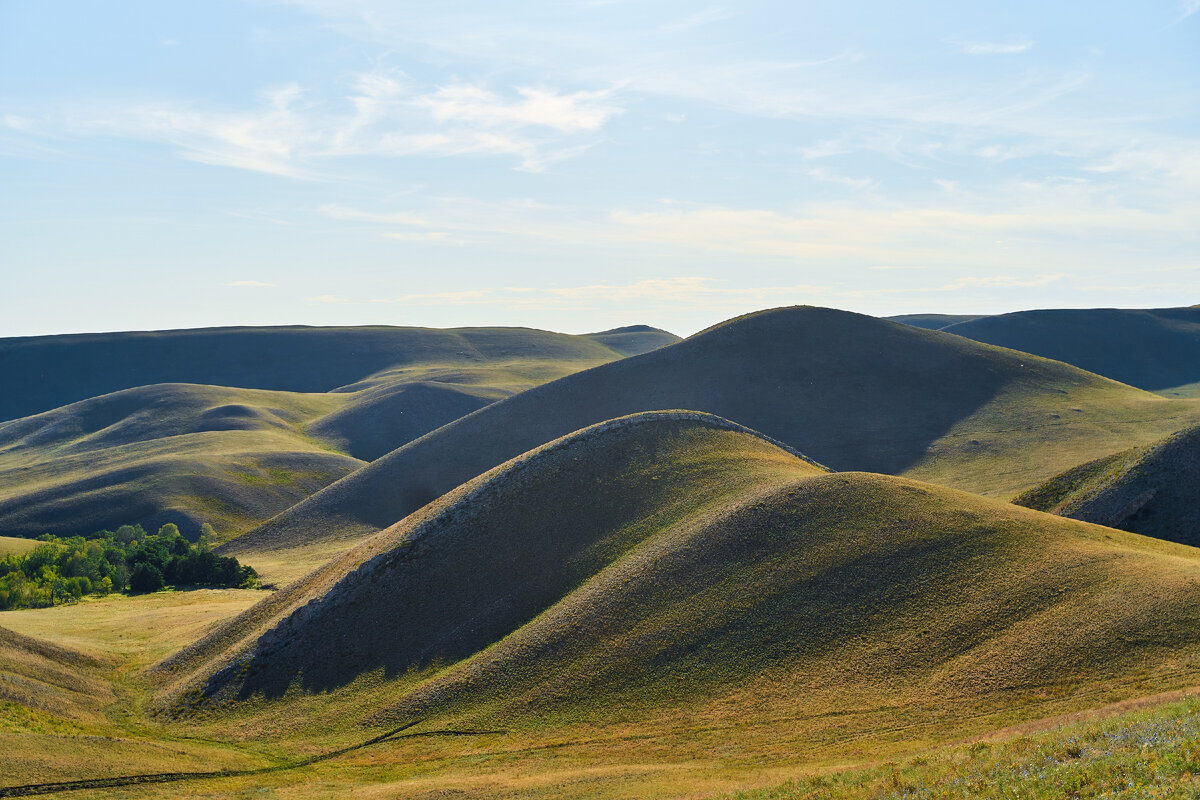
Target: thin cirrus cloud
[295,134]
[994,48]
[1051,215]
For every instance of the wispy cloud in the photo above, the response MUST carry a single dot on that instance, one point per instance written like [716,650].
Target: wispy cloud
[328,298]
[578,111]
[251,284]
[698,19]
[993,48]
[298,134]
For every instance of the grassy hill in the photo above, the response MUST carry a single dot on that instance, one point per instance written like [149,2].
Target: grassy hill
[851,391]
[675,584]
[189,454]
[53,371]
[166,453]
[1152,490]
[1157,349]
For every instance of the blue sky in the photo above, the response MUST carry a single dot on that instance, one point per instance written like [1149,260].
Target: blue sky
[583,164]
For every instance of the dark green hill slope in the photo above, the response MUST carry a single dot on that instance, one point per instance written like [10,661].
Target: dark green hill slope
[1154,490]
[166,453]
[667,568]
[633,340]
[933,322]
[52,371]
[1156,349]
[853,392]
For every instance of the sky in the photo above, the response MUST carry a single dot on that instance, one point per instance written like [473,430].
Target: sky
[585,164]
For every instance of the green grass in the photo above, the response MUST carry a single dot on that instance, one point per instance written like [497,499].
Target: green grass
[1138,755]
[79,711]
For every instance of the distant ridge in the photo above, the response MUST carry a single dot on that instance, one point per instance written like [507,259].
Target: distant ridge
[933,322]
[1153,490]
[53,371]
[1157,349]
[851,391]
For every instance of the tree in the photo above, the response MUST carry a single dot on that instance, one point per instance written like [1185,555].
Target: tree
[208,537]
[146,578]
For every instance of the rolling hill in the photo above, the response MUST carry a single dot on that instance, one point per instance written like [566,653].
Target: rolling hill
[1157,349]
[853,392]
[679,579]
[232,457]
[53,371]
[165,453]
[1152,490]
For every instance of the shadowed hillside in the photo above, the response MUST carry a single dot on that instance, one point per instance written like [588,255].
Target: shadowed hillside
[167,453]
[53,371]
[633,340]
[1156,349]
[634,471]
[1154,490]
[933,322]
[851,391]
[665,568]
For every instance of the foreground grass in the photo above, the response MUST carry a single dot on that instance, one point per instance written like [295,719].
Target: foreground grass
[1139,755]
[1147,753]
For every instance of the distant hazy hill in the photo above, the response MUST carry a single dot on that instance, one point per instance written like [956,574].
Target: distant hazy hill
[851,391]
[52,371]
[1156,349]
[933,322]
[233,457]
[667,568]
[1153,490]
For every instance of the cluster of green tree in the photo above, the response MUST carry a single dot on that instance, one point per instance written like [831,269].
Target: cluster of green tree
[125,560]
